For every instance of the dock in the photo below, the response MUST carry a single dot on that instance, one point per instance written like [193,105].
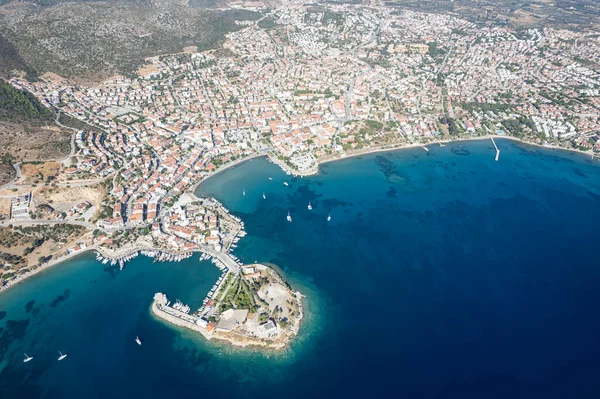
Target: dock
[161,309]
[497,150]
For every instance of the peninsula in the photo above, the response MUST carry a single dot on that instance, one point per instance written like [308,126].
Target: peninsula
[302,85]
[251,306]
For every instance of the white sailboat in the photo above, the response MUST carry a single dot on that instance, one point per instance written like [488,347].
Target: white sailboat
[286,183]
[329,217]
[264,196]
[62,356]
[309,206]
[289,218]
[137,339]
[27,358]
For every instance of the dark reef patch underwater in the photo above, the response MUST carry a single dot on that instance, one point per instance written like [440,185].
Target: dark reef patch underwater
[441,274]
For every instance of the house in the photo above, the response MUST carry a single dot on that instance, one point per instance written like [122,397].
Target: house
[111,223]
[19,206]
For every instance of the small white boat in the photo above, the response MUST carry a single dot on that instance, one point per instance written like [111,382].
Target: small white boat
[270,178]
[27,358]
[264,196]
[286,183]
[329,217]
[62,356]
[309,206]
[289,218]
[244,192]
[137,339]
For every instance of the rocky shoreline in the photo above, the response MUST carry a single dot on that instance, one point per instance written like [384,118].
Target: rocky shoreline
[240,336]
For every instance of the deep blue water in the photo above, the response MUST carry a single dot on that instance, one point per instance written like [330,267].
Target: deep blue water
[441,274]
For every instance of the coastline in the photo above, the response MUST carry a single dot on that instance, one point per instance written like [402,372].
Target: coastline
[438,142]
[43,267]
[235,337]
[234,340]
[311,172]
[235,163]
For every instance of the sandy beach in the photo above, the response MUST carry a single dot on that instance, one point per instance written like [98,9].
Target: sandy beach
[438,142]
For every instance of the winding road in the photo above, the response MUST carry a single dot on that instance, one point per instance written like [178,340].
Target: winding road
[65,161]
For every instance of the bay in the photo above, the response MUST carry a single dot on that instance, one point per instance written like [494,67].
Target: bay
[441,274]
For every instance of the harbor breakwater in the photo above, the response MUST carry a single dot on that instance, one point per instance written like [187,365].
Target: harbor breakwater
[159,308]
[441,274]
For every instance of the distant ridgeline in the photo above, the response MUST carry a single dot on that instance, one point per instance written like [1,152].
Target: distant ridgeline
[20,105]
[11,60]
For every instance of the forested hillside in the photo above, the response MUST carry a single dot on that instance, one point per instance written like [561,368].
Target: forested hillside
[19,105]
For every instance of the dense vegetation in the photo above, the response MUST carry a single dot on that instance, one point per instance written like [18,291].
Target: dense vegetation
[20,105]
[453,127]
[517,126]
[239,296]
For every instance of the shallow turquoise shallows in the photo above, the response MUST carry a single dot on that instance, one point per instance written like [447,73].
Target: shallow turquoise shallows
[440,274]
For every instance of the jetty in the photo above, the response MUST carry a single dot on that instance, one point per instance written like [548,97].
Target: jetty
[497,150]
[161,308]
[218,317]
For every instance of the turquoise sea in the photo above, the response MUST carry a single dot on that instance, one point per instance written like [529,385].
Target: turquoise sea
[441,274]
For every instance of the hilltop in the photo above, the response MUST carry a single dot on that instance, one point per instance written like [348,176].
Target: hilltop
[94,40]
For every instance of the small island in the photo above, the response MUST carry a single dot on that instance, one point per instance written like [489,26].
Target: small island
[249,306]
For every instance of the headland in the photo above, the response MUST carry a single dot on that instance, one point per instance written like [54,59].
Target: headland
[253,307]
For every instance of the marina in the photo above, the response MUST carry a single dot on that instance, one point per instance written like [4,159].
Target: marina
[327,274]
[159,256]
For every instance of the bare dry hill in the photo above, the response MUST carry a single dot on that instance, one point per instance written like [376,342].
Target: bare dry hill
[95,40]
[27,130]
